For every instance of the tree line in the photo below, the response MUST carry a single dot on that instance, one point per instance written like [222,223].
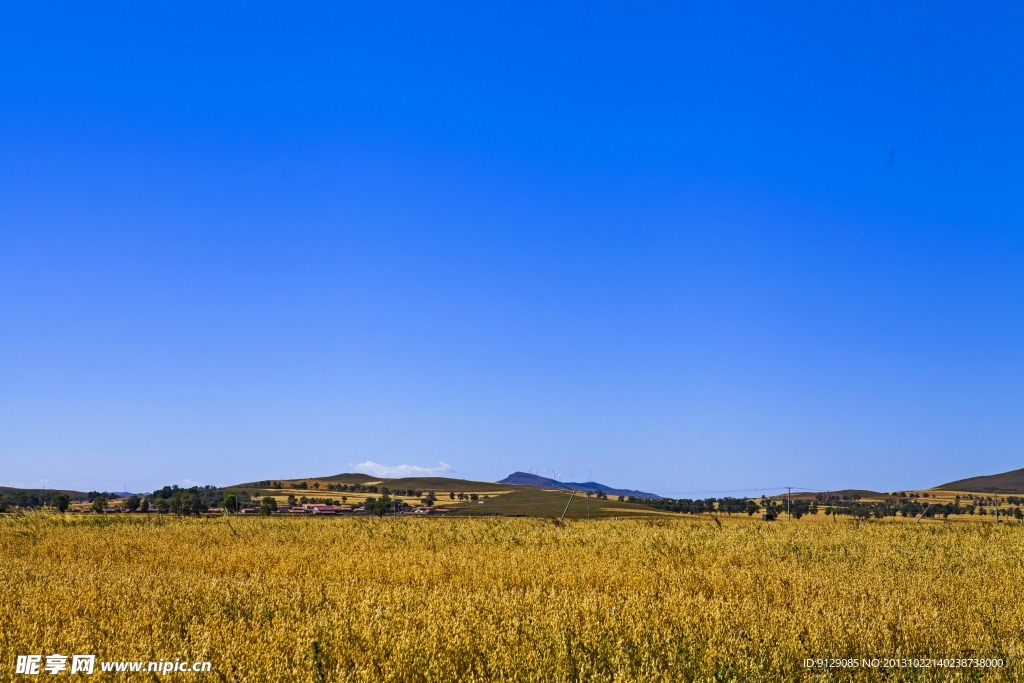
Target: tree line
[35,499]
[851,505]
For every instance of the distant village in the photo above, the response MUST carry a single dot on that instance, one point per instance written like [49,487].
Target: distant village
[325,509]
[297,510]
[260,498]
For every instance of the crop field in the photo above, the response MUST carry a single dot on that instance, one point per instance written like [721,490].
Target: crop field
[493,599]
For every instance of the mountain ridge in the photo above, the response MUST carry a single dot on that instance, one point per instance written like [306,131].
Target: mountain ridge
[1003,482]
[537,481]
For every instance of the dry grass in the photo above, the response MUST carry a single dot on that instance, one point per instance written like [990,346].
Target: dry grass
[511,599]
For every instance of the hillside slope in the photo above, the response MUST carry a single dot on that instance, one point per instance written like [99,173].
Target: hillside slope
[13,491]
[1005,482]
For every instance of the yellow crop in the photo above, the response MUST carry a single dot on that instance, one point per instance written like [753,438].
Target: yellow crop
[356,599]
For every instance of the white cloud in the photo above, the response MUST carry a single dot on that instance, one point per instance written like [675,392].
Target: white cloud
[399,471]
[188,483]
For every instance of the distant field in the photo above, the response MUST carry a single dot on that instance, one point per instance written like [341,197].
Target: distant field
[495,499]
[444,484]
[533,502]
[437,484]
[450,599]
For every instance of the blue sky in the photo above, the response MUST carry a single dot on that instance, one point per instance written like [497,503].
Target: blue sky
[677,248]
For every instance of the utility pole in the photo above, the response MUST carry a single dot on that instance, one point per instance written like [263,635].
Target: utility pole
[567,504]
[926,508]
[789,503]
[590,478]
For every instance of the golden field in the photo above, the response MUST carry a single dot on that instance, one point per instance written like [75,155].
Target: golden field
[358,599]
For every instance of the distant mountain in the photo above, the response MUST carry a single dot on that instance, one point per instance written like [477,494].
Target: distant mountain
[1007,482]
[11,490]
[527,479]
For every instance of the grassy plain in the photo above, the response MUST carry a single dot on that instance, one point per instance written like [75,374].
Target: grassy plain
[365,599]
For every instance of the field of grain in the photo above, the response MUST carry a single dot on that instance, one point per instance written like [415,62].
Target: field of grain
[361,599]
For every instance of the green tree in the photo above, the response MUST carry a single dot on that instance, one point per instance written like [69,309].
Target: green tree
[231,503]
[268,506]
[181,503]
[133,503]
[292,502]
[99,505]
[144,507]
[61,501]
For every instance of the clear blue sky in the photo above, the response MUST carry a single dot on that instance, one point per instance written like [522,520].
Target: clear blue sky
[689,248]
